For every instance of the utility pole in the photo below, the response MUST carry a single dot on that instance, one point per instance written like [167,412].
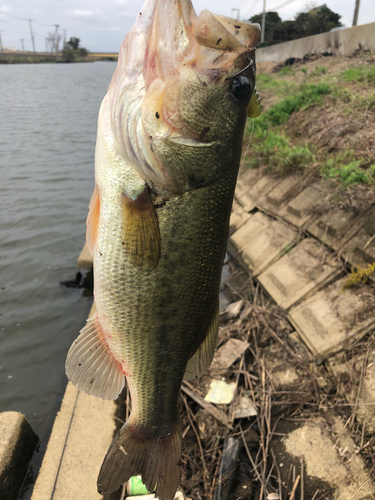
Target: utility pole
[23,48]
[355,18]
[56,40]
[263,22]
[32,36]
[1,44]
[238,13]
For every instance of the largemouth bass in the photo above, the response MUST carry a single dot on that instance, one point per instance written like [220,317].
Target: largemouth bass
[169,144]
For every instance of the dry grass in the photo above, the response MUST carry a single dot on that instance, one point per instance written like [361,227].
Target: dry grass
[258,475]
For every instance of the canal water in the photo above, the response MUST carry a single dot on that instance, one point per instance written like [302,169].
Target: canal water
[47,140]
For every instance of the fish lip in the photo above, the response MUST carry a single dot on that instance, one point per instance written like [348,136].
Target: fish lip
[189,141]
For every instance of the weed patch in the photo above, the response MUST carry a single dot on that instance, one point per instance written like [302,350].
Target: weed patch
[308,96]
[276,152]
[364,74]
[349,172]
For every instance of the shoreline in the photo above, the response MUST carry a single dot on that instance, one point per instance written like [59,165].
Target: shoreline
[45,58]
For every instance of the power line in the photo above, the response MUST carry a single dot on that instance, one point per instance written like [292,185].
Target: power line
[24,19]
[281,5]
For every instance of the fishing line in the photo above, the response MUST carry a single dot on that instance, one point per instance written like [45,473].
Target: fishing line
[63,452]
[248,144]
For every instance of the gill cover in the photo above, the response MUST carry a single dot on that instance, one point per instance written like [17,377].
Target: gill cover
[169,58]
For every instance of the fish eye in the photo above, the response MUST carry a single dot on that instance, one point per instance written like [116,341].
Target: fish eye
[242,88]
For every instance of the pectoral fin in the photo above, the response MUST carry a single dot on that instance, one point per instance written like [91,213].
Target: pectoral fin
[199,363]
[141,236]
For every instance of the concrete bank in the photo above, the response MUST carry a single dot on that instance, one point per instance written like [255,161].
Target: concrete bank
[341,42]
[80,437]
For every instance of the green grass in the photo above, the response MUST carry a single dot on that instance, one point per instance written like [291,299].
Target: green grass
[278,87]
[271,146]
[318,71]
[362,74]
[307,96]
[279,155]
[287,70]
[349,171]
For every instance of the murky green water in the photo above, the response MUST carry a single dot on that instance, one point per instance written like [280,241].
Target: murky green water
[47,139]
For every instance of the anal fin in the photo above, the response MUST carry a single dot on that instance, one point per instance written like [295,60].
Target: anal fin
[199,363]
[141,236]
[91,367]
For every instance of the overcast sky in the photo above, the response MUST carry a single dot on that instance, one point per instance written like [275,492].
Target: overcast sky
[102,24]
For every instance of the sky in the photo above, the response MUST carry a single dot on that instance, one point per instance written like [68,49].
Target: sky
[102,24]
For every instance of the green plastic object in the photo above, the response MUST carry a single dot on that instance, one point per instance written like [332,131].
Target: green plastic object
[136,487]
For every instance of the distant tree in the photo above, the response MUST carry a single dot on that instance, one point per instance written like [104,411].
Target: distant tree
[274,27]
[74,43]
[316,20]
[72,51]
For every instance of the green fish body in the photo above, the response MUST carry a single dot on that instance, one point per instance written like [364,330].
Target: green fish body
[168,150]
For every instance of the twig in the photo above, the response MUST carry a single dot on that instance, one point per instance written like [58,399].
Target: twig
[188,411]
[279,481]
[292,495]
[255,467]
[123,491]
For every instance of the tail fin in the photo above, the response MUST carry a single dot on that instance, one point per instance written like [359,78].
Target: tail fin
[134,452]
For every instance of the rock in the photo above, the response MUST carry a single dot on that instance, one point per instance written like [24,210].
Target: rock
[17,445]
[324,449]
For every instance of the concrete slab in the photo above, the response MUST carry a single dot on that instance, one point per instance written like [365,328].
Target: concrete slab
[83,430]
[260,241]
[284,191]
[305,268]
[17,444]
[335,228]
[330,319]
[85,258]
[324,454]
[249,197]
[299,210]
[247,178]
[361,249]
[238,217]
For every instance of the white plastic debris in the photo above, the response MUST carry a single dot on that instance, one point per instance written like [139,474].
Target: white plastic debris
[220,392]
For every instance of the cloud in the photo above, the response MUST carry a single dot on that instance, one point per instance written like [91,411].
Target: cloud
[122,2]
[84,14]
[5,8]
[97,28]
[126,14]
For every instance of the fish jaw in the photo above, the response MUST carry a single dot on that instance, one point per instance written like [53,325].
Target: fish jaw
[168,48]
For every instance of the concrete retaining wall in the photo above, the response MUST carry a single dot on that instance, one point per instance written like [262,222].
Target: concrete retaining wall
[344,42]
